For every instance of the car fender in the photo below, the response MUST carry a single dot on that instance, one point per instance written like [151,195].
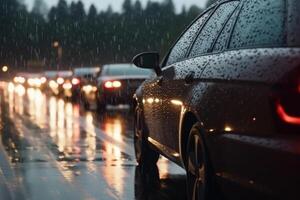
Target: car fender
[186,110]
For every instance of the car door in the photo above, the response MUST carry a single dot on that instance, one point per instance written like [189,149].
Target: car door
[172,86]
[155,96]
[178,78]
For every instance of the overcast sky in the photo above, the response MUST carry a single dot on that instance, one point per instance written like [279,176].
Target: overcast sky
[117,4]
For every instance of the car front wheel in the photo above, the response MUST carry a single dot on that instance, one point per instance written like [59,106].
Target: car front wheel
[199,178]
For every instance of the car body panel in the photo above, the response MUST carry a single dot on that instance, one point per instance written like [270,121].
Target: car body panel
[225,90]
[232,93]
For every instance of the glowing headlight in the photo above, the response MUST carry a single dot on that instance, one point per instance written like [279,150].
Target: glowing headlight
[43,80]
[75,81]
[89,88]
[19,79]
[60,80]
[67,86]
[53,84]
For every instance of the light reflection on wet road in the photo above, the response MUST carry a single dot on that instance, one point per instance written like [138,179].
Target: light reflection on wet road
[53,149]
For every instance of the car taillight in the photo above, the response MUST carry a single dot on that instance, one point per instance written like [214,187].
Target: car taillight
[75,81]
[112,84]
[284,116]
[287,99]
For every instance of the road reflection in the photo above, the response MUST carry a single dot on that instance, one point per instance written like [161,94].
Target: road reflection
[112,126]
[92,152]
[74,135]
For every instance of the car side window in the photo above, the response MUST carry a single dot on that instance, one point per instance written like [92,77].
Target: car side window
[260,23]
[222,40]
[180,49]
[212,28]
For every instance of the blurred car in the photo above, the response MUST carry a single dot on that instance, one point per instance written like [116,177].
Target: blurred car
[34,80]
[58,84]
[116,85]
[88,93]
[225,102]
[50,75]
[81,77]
[20,78]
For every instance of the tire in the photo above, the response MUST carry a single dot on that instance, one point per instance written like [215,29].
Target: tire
[198,168]
[145,156]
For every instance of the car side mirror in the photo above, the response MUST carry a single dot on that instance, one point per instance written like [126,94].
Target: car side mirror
[148,60]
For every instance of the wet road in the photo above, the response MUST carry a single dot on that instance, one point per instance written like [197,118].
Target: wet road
[53,149]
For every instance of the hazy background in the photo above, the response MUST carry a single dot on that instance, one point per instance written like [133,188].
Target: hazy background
[117,4]
[62,34]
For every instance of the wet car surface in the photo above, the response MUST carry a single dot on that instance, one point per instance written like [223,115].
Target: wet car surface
[224,104]
[53,149]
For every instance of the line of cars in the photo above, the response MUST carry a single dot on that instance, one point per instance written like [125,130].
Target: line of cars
[93,87]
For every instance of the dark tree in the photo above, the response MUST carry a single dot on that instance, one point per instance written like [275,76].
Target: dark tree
[210,2]
[127,6]
[92,14]
[62,10]
[137,7]
[169,7]
[77,11]
[39,7]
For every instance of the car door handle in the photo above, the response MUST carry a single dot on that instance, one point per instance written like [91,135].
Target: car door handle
[189,78]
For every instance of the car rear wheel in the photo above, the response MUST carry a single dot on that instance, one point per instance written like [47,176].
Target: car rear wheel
[145,156]
[199,178]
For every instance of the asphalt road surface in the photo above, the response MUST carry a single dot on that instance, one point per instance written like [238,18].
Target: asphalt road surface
[54,149]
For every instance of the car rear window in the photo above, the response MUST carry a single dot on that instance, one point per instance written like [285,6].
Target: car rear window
[221,42]
[260,23]
[125,70]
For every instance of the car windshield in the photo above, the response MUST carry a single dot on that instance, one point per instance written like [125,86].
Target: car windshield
[125,70]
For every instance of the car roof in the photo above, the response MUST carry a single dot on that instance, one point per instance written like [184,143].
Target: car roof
[64,73]
[86,70]
[118,65]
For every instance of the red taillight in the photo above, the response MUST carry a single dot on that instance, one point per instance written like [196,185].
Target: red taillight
[286,96]
[112,84]
[284,116]
[75,81]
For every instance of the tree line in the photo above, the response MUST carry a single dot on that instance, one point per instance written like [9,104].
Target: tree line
[69,36]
